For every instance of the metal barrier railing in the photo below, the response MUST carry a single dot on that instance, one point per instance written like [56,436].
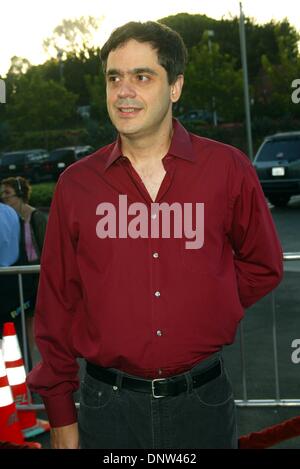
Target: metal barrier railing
[245,402]
[20,270]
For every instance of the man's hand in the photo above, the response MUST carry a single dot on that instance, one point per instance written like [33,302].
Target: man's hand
[66,437]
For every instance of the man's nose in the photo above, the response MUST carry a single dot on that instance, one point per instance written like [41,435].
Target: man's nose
[126,89]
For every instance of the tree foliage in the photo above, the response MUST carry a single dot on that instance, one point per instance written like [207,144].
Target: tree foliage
[36,103]
[261,39]
[212,77]
[72,36]
[46,96]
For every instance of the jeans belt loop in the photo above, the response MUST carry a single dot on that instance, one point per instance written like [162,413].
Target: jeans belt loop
[119,380]
[189,381]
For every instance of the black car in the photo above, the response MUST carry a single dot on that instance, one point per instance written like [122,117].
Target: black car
[199,117]
[196,116]
[61,158]
[27,163]
[277,163]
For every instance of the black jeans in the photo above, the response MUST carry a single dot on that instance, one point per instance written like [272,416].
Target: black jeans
[114,417]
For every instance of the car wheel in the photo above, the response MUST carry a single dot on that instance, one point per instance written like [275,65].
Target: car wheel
[279,200]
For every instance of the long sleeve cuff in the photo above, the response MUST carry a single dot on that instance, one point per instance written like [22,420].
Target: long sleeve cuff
[61,410]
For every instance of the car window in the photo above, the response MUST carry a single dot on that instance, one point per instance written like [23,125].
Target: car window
[276,150]
[36,157]
[82,153]
[62,155]
[13,158]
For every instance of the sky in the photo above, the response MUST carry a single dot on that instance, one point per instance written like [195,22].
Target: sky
[24,24]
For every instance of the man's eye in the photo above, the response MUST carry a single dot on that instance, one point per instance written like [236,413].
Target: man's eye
[142,78]
[113,79]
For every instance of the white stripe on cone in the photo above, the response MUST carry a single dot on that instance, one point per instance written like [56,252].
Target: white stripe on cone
[11,352]
[11,348]
[16,375]
[6,397]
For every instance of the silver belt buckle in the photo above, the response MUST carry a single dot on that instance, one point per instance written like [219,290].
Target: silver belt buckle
[153,389]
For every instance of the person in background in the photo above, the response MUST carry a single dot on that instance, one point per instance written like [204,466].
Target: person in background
[9,255]
[9,236]
[15,192]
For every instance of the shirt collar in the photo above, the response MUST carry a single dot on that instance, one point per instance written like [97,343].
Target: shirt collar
[181,146]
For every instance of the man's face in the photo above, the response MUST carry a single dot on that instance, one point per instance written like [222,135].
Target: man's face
[139,97]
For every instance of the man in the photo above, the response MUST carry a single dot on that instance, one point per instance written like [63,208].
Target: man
[9,236]
[9,254]
[128,284]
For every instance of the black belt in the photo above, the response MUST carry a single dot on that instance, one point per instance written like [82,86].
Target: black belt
[161,387]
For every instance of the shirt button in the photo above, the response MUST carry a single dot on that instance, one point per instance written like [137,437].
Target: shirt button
[155,255]
[157,294]
[153,216]
[160,372]
[159,333]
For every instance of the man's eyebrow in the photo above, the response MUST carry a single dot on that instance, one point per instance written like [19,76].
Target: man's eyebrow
[141,70]
[113,71]
[134,71]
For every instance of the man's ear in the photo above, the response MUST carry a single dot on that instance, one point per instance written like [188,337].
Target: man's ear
[176,88]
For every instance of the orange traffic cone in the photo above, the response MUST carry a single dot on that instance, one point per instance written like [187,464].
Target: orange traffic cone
[30,425]
[10,430]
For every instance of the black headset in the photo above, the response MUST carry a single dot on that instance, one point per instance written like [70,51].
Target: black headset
[19,191]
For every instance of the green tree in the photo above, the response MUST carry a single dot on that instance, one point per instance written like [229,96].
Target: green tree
[261,39]
[46,96]
[273,85]
[18,65]
[39,104]
[97,92]
[74,57]
[211,74]
[76,71]
[72,35]
[190,27]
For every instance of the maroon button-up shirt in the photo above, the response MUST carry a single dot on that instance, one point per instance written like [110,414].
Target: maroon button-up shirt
[148,305]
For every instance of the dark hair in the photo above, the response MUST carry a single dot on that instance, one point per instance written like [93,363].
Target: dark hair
[20,185]
[171,50]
